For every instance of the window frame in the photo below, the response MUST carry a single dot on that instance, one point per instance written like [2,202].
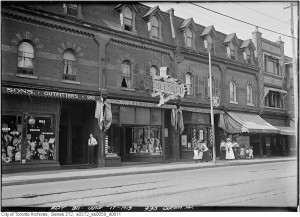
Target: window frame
[249,95]
[269,59]
[155,27]
[22,68]
[68,63]
[189,86]
[127,75]
[187,37]
[232,92]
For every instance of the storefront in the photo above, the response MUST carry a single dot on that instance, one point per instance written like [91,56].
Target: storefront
[137,132]
[31,130]
[251,130]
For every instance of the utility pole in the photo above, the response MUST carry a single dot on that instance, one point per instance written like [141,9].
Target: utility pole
[295,73]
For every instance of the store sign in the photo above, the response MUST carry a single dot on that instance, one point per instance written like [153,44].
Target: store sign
[164,87]
[43,93]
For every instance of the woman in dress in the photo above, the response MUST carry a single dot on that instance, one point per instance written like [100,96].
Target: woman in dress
[205,151]
[222,150]
[229,151]
[236,149]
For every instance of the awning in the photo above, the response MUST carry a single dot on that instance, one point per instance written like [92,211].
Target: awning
[289,131]
[234,122]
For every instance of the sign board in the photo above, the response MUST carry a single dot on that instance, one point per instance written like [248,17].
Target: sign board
[46,93]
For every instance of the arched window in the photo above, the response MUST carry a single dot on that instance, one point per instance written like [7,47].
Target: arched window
[25,55]
[232,92]
[70,65]
[188,82]
[154,27]
[189,37]
[126,74]
[249,95]
[154,71]
[128,18]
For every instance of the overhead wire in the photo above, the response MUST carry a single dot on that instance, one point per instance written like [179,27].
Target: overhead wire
[241,20]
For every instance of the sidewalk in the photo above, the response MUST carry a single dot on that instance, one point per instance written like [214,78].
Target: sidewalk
[126,169]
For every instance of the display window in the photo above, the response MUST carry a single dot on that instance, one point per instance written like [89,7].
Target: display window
[144,140]
[40,144]
[192,135]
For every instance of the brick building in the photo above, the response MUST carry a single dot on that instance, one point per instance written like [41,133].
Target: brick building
[58,59]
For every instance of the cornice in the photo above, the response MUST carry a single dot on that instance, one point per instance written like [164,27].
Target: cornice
[44,22]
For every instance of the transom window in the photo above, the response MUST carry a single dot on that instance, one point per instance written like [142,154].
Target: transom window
[128,18]
[126,74]
[154,26]
[70,65]
[249,95]
[25,55]
[232,90]
[272,65]
[189,37]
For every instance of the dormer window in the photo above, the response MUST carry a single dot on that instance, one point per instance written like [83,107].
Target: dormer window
[73,10]
[128,19]
[189,37]
[231,51]
[154,27]
[211,42]
[247,56]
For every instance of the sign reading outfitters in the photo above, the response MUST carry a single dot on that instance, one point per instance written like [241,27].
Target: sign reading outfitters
[44,93]
[165,87]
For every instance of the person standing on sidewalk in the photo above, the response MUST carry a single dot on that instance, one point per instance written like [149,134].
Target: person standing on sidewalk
[92,142]
[205,151]
[222,150]
[236,150]
[229,151]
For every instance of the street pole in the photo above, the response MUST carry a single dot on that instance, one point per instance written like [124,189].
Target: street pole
[211,104]
[295,74]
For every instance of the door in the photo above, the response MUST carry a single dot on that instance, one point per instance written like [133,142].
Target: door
[63,144]
[77,144]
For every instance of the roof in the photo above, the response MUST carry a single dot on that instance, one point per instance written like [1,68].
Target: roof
[152,11]
[186,22]
[248,43]
[231,37]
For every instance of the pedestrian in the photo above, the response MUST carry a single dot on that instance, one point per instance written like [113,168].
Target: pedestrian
[222,150]
[205,151]
[229,151]
[236,148]
[196,154]
[242,152]
[91,146]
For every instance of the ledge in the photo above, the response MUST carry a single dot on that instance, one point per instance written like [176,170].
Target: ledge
[70,82]
[27,76]
[127,89]
[250,104]
[233,102]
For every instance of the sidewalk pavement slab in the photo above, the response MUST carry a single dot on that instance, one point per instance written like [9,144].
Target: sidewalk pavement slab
[129,169]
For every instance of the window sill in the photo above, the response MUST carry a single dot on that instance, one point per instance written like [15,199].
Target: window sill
[234,102]
[274,108]
[26,76]
[271,74]
[70,81]
[250,104]
[127,89]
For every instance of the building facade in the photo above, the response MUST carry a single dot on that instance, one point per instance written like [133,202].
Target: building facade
[58,59]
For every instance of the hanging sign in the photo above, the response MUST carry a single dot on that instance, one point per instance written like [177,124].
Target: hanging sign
[44,93]
[164,87]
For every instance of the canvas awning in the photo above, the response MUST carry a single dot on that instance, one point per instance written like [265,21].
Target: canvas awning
[234,122]
[289,131]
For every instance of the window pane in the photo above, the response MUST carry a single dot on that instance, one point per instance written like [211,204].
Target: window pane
[26,47]
[154,21]
[189,42]
[127,13]
[153,71]
[154,31]
[69,55]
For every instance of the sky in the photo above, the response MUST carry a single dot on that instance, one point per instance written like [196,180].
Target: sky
[269,15]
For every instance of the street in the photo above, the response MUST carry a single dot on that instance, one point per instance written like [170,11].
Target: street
[259,185]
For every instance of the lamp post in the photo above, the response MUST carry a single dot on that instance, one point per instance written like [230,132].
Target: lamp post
[208,43]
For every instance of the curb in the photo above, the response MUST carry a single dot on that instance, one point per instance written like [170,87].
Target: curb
[56,179]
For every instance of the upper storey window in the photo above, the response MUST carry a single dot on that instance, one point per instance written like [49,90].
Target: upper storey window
[249,95]
[272,65]
[231,50]
[126,74]
[154,27]
[128,19]
[189,37]
[231,42]
[25,55]
[188,83]
[70,64]
[154,71]
[232,93]
[72,9]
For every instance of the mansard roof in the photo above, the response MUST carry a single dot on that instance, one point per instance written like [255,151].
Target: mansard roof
[153,11]
[247,43]
[230,38]
[208,30]
[120,6]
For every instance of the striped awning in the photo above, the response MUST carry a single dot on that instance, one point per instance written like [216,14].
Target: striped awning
[234,122]
[289,131]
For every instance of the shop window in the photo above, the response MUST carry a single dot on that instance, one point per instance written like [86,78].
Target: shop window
[11,128]
[126,74]
[70,65]
[40,139]
[25,58]
[143,141]
[232,92]
[249,95]
[192,135]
